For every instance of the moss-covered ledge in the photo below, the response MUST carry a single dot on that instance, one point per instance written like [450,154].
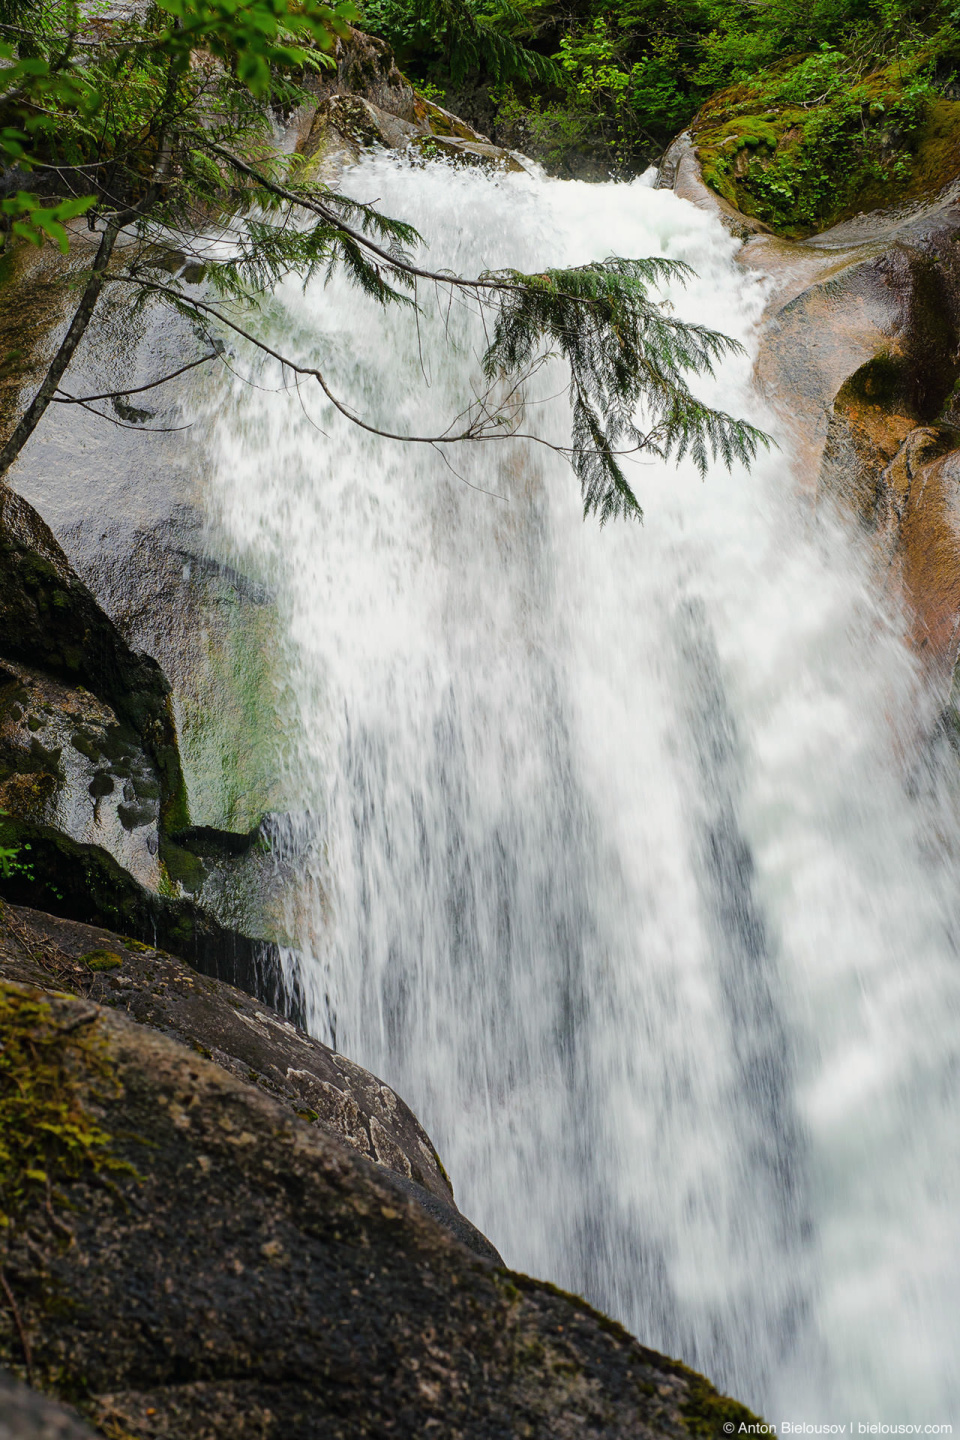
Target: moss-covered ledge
[242,1034]
[805,146]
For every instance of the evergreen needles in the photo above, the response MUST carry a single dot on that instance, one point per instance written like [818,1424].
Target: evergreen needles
[475,40]
[625,356]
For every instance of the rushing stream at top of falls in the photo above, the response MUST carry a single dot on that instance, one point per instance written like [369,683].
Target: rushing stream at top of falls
[619,854]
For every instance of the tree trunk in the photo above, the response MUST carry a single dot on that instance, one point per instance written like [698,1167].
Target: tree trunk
[81,319]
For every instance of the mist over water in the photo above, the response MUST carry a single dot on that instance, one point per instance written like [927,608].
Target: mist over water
[622,853]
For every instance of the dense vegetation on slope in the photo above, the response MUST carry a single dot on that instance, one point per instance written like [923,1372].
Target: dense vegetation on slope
[803,110]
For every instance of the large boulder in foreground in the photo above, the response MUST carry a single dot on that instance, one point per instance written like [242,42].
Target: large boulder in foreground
[242,1034]
[210,1265]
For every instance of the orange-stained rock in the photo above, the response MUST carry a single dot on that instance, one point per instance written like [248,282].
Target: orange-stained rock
[930,555]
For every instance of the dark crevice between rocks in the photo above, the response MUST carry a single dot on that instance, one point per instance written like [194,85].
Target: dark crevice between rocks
[85,883]
[208,842]
[904,397]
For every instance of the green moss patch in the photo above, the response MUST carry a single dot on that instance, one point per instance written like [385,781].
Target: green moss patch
[101,960]
[137,946]
[51,1066]
[707,1413]
[811,143]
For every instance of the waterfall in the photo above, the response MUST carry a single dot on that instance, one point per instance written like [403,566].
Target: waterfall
[622,854]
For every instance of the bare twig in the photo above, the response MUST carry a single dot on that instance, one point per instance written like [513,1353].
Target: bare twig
[18,1322]
[65,398]
[123,424]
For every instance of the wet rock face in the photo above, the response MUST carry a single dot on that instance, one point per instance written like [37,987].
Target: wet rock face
[864,362]
[34,299]
[368,103]
[49,619]
[86,884]
[260,1279]
[244,1036]
[366,67]
[679,170]
[67,762]
[91,786]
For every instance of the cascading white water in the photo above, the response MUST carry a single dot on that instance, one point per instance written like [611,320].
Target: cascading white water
[618,856]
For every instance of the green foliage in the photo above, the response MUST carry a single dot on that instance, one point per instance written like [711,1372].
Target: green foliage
[622,351]
[268,249]
[72,100]
[11,863]
[33,89]
[169,118]
[620,93]
[463,36]
[11,860]
[805,145]
[255,37]
[847,87]
[50,1071]
[621,346]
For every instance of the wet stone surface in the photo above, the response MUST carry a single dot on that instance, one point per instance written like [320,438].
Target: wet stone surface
[66,761]
[243,1035]
[257,1279]
[25,1415]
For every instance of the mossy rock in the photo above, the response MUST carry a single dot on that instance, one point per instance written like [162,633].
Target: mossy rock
[802,166]
[182,866]
[248,1237]
[137,946]
[473,153]
[101,960]
[49,1073]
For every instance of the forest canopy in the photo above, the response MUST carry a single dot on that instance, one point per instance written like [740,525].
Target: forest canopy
[828,104]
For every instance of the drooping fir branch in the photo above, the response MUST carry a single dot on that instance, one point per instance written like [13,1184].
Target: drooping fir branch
[626,356]
[623,352]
